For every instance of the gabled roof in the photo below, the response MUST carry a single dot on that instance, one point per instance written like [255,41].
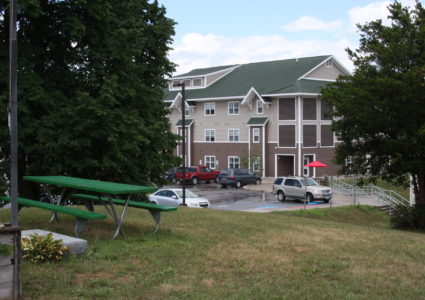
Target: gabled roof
[267,78]
[257,121]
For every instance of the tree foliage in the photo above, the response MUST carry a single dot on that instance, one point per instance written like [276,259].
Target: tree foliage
[90,79]
[380,110]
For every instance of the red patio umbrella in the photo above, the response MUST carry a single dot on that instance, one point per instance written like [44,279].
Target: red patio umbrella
[316,164]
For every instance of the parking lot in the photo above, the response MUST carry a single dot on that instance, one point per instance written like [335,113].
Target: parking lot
[254,198]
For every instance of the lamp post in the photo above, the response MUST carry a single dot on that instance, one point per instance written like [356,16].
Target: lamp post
[183,108]
[13,112]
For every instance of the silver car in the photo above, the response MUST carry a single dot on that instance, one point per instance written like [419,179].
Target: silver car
[300,188]
[174,197]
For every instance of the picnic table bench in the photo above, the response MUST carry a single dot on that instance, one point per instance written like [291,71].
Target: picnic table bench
[81,215]
[154,209]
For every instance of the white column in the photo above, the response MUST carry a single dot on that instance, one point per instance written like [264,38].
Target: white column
[264,151]
[298,133]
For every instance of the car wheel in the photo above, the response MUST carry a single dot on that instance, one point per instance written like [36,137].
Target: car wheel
[224,186]
[310,198]
[178,182]
[173,180]
[280,196]
[154,202]
[194,181]
[258,181]
[238,184]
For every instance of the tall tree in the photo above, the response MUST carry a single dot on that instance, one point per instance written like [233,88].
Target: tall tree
[90,79]
[380,110]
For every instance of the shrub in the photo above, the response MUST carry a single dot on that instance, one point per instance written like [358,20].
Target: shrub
[39,248]
[408,217]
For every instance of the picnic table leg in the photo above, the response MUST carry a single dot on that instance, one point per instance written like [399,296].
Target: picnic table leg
[79,225]
[156,215]
[119,220]
[55,213]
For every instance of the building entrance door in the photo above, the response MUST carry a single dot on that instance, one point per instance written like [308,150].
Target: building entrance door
[285,165]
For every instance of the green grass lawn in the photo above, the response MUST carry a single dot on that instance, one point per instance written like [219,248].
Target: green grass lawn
[339,253]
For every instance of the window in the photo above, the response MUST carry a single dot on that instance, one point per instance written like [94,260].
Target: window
[233,108]
[329,64]
[233,135]
[209,135]
[197,82]
[256,135]
[210,161]
[234,162]
[186,110]
[287,109]
[209,109]
[260,106]
[286,135]
[256,164]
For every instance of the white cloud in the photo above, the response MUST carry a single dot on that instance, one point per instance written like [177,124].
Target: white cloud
[373,11]
[312,23]
[200,51]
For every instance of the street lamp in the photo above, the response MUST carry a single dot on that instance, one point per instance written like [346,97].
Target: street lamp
[183,109]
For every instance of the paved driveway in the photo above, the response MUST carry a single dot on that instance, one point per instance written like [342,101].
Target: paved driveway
[258,198]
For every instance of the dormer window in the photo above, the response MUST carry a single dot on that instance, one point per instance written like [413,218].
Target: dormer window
[197,82]
[188,83]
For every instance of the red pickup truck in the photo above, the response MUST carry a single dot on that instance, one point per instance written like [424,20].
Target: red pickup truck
[196,174]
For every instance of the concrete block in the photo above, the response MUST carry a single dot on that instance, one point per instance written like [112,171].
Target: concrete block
[76,245]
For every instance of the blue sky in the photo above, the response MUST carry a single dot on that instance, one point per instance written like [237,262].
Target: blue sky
[218,32]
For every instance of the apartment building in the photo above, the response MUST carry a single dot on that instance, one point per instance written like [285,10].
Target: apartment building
[267,116]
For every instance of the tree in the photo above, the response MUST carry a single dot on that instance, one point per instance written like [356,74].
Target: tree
[379,111]
[90,79]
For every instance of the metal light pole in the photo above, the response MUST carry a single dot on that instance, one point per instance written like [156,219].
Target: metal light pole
[13,112]
[183,108]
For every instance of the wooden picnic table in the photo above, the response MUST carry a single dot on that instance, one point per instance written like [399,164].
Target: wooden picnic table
[102,189]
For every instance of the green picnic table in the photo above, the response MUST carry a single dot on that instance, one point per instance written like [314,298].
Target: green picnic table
[104,191]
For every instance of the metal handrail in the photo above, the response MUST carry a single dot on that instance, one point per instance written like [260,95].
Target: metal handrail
[387,196]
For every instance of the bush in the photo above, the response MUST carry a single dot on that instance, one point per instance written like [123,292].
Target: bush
[408,217]
[39,248]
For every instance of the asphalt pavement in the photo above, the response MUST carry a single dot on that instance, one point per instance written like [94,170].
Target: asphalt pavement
[259,198]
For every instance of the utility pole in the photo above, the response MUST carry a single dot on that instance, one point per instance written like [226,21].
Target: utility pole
[13,112]
[183,109]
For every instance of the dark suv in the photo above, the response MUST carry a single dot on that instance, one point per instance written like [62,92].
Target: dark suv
[237,177]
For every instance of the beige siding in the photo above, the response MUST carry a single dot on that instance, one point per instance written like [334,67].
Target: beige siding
[326,73]
[221,121]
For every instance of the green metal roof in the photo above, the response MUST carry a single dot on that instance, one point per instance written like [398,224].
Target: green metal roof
[187,122]
[257,121]
[268,78]
[204,71]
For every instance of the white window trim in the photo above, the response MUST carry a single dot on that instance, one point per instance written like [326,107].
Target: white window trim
[214,159]
[205,109]
[262,107]
[205,135]
[234,129]
[254,135]
[228,108]
[233,157]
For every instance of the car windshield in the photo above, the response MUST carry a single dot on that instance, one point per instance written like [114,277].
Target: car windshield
[189,194]
[310,182]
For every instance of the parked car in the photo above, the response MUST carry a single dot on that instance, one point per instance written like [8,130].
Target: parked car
[196,174]
[300,188]
[237,177]
[174,197]
[170,175]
